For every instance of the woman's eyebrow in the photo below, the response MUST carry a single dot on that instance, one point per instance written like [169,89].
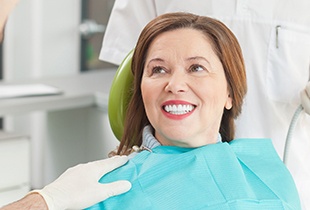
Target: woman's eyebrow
[155,60]
[198,58]
[161,60]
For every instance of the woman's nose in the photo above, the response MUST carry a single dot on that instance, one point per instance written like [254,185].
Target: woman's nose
[177,83]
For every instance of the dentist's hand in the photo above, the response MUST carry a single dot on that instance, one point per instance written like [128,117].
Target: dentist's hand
[78,187]
[305,98]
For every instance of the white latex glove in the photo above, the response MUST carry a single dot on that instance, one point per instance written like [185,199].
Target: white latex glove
[78,187]
[305,98]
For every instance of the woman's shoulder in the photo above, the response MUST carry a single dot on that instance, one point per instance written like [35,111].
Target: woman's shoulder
[259,157]
[258,154]
[254,147]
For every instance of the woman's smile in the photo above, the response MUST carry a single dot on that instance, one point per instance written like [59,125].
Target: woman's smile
[177,109]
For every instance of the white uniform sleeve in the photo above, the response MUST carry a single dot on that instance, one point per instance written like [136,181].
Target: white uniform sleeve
[128,18]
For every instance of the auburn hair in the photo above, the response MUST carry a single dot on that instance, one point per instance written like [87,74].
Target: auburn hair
[224,44]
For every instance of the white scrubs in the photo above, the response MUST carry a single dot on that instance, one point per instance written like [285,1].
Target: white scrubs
[275,39]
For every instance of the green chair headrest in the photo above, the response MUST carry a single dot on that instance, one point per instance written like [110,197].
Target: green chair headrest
[120,94]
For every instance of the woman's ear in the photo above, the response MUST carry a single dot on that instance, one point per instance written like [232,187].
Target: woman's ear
[228,104]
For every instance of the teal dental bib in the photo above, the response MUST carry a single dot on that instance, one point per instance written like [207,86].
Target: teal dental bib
[244,174]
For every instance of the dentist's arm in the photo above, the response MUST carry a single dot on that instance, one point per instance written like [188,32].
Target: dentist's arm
[6,7]
[77,188]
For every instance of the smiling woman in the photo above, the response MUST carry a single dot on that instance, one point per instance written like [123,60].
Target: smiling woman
[189,85]
[216,52]
[189,76]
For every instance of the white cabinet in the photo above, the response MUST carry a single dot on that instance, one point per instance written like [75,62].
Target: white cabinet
[14,167]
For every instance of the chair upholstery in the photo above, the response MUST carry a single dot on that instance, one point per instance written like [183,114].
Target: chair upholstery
[120,94]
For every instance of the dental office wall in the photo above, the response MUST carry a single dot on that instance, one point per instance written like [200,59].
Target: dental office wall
[42,41]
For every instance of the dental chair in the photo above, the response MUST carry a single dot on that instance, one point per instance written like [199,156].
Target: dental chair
[120,94]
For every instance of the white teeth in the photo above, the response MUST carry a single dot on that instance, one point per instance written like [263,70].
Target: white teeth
[178,109]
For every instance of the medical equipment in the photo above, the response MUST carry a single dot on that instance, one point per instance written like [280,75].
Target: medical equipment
[305,105]
[290,133]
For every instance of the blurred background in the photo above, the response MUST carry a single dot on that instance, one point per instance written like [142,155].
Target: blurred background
[51,39]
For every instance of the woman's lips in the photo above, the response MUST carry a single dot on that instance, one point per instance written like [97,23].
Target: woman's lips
[177,109]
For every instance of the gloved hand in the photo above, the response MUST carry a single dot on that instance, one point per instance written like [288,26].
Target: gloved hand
[78,187]
[305,98]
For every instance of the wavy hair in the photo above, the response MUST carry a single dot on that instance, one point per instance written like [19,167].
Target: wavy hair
[224,44]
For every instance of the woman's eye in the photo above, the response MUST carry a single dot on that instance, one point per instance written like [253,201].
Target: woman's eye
[195,68]
[158,70]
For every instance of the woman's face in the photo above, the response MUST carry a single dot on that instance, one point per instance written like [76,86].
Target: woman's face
[184,89]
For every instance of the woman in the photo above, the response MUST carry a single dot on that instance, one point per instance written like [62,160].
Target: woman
[189,84]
